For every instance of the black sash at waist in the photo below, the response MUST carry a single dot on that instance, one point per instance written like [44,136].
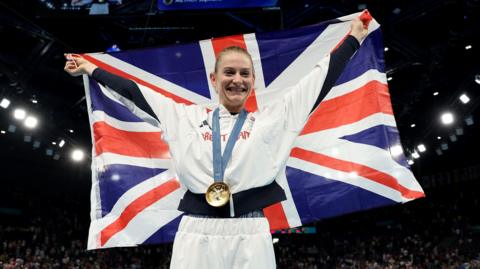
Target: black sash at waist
[243,202]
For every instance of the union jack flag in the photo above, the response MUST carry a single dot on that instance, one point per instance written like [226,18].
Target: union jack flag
[347,158]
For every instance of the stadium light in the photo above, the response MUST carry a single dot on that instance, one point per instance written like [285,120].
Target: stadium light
[36,144]
[275,240]
[77,155]
[386,49]
[31,122]
[464,98]
[439,137]
[412,125]
[421,148]
[439,152]
[410,162]
[396,11]
[453,138]
[12,128]
[19,114]
[389,78]
[415,155]
[5,103]
[435,93]
[447,118]
[396,150]
[444,146]
[469,120]
[62,143]
[467,47]
[3,132]
[477,78]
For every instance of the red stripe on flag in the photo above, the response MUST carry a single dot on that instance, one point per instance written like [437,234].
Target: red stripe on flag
[369,99]
[223,42]
[276,217]
[134,144]
[237,40]
[361,170]
[136,207]
[123,74]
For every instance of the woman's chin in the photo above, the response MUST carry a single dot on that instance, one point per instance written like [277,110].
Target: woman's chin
[233,106]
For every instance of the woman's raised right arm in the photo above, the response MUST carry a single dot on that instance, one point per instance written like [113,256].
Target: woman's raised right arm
[76,65]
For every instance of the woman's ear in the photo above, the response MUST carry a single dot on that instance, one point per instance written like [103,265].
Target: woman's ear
[213,80]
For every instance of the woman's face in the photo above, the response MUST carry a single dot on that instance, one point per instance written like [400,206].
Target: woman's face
[233,80]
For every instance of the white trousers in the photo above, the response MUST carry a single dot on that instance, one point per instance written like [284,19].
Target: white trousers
[223,244]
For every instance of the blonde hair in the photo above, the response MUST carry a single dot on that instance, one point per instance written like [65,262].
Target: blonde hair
[236,49]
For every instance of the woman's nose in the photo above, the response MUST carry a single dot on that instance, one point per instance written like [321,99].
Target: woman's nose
[237,77]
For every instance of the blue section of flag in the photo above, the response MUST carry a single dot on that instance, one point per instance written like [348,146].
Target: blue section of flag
[100,102]
[369,56]
[181,64]
[317,197]
[166,233]
[280,49]
[119,178]
[379,136]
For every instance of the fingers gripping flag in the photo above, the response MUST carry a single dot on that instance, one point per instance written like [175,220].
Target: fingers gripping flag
[346,159]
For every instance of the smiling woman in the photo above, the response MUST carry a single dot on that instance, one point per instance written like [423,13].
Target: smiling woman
[224,225]
[233,78]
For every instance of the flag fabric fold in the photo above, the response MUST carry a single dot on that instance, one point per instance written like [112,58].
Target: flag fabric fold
[347,158]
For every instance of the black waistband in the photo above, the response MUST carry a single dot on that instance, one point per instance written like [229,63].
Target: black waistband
[254,214]
[243,202]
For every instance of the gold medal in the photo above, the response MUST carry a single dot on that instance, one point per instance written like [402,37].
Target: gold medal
[218,194]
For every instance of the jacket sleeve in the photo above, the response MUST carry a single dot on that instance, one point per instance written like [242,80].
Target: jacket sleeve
[151,106]
[125,87]
[312,89]
[338,60]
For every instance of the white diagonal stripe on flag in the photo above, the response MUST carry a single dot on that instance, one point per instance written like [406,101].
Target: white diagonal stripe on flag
[288,205]
[346,178]
[151,78]
[100,116]
[354,84]
[105,159]
[304,63]
[148,221]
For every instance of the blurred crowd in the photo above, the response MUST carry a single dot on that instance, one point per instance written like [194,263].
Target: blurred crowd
[440,231]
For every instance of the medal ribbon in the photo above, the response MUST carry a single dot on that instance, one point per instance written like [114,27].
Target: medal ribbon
[219,161]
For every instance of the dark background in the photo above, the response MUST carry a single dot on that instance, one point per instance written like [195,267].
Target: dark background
[427,53]
[44,202]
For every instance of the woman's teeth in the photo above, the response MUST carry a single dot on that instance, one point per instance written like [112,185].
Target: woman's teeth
[236,89]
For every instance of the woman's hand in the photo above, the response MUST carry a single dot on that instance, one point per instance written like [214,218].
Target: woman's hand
[359,29]
[76,65]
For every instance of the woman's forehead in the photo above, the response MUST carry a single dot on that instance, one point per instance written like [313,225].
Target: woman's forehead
[235,59]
